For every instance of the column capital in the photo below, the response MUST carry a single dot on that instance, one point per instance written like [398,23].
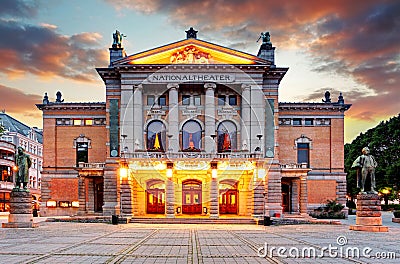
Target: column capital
[210,86]
[173,85]
[245,86]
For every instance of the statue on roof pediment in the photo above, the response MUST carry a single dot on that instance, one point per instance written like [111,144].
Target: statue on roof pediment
[190,55]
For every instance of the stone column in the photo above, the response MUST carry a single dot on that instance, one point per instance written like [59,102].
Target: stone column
[170,198]
[209,114]
[245,122]
[126,196]
[303,195]
[126,117]
[111,188]
[258,198]
[138,116]
[214,206]
[90,201]
[82,195]
[274,192]
[173,117]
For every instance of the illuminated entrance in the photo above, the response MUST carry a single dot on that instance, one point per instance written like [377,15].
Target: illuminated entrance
[155,197]
[191,197]
[228,195]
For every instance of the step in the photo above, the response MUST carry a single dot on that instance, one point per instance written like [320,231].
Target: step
[240,221]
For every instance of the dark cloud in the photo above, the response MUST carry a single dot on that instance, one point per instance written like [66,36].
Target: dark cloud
[42,51]
[355,39]
[18,8]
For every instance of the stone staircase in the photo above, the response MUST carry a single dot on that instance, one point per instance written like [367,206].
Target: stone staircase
[229,221]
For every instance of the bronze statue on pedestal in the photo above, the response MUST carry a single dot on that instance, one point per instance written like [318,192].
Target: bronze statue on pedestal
[365,164]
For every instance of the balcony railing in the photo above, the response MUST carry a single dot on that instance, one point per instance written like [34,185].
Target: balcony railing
[96,165]
[5,145]
[191,155]
[294,166]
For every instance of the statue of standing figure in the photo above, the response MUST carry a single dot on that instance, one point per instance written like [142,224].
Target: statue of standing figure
[23,162]
[367,164]
[265,37]
[117,39]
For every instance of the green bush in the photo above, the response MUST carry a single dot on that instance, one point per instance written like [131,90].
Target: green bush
[332,210]
[390,207]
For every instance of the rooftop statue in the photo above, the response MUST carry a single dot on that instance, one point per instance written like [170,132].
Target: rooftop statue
[265,37]
[367,164]
[327,97]
[117,39]
[58,97]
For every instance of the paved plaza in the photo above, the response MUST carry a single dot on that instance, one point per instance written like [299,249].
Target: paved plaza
[66,242]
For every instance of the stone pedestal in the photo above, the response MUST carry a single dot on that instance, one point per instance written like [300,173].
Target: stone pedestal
[368,216]
[20,211]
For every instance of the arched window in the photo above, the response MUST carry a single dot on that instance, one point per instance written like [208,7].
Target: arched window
[191,136]
[227,136]
[156,136]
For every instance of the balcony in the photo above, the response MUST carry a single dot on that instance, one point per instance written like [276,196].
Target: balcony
[95,165]
[294,166]
[7,146]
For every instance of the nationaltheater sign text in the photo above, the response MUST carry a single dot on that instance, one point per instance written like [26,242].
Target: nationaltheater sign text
[191,77]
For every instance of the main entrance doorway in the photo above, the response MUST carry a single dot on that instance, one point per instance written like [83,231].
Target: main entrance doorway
[286,197]
[191,197]
[155,197]
[98,184]
[228,197]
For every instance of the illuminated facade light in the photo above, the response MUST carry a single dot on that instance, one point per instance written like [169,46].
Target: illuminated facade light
[75,204]
[169,173]
[51,204]
[214,173]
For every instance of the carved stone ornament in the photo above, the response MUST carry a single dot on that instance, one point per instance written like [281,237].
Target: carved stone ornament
[190,55]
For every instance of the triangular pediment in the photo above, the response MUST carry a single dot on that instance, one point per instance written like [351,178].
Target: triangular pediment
[191,51]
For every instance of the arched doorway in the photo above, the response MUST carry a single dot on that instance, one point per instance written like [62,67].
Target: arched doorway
[228,197]
[155,194]
[191,197]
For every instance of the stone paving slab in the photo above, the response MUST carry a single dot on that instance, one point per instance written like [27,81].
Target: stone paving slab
[157,243]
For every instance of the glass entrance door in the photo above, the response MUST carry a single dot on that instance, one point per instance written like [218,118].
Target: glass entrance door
[191,197]
[155,196]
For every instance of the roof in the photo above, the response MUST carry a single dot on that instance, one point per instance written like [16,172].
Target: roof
[13,125]
[197,51]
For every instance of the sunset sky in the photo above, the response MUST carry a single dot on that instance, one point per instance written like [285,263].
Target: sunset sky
[341,46]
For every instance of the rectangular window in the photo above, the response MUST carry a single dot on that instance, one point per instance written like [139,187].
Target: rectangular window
[185,99]
[303,153]
[77,122]
[162,100]
[88,122]
[221,100]
[309,122]
[197,100]
[232,100]
[81,152]
[296,121]
[150,99]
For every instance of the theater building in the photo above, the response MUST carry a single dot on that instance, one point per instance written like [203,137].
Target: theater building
[192,129]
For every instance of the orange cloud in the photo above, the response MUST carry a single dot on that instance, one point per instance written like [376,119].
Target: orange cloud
[42,51]
[15,101]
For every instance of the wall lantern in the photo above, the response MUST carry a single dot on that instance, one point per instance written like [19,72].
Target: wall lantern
[205,210]
[123,171]
[178,210]
[214,171]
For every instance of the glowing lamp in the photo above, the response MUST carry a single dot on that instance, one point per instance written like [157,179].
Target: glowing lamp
[15,168]
[51,203]
[169,173]
[75,203]
[214,173]
[123,173]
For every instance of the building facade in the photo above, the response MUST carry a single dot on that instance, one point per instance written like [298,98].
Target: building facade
[192,128]
[16,135]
